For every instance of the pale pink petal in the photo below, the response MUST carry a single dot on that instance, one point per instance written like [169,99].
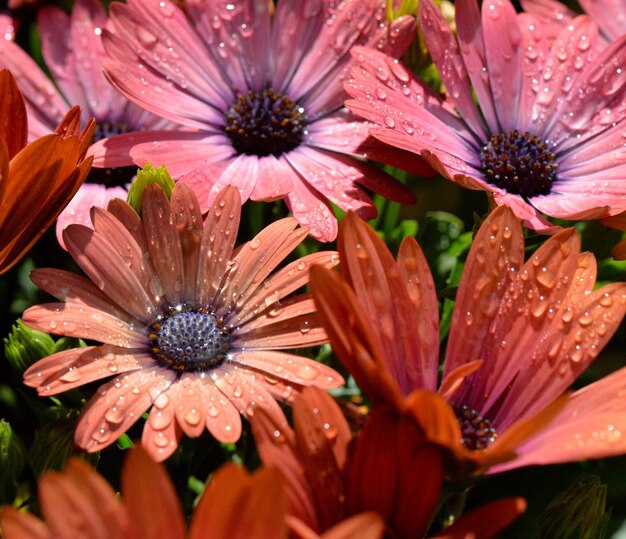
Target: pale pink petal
[99,258]
[78,209]
[79,366]
[288,367]
[77,320]
[119,404]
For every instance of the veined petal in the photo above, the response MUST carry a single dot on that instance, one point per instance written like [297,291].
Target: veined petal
[77,320]
[222,417]
[312,211]
[13,124]
[118,404]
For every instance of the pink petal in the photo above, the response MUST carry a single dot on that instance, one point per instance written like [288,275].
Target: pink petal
[190,405]
[443,49]
[502,39]
[222,417]
[608,14]
[312,211]
[275,179]
[551,14]
[119,404]
[304,330]
[77,320]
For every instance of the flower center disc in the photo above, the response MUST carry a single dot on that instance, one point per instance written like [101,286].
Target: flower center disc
[476,430]
[265,123]
[520,163]
[189,339]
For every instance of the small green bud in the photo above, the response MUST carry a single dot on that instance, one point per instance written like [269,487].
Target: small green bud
[24,346]
[579,511]
[145,177]
[12,462]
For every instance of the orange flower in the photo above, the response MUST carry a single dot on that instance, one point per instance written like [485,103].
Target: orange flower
[36,180]
[391,470]
[78,502]
[521,333]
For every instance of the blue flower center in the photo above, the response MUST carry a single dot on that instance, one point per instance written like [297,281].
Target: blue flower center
[477,431]
[520,163]
[189,339]
[265,123]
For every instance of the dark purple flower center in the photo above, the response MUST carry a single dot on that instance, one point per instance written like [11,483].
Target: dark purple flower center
[110,177]
[520,163]
[189,339]
[265,123]
[476,430]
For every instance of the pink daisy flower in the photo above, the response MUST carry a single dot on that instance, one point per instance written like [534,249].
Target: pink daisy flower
[264,92]
[546,136]
[189,326]
[609,14]
[73,52]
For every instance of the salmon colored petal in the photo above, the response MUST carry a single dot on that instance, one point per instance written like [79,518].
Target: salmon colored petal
[72,288]
[282,311]
[276,447]
[282,283]
[367,525]
[381,292]
[288,367]
[156,510]
[316,436]
[188,220]
[16,524]
[255,260]
[222,417]
[496,255]
[78,366]
[414,269]
[100,259]
[487,521]
[455,378]
[304,330]
[579,331]
[128,249]
[4,168]
[164,243]
[161,433]
[118,404]
[127,215]
[76,320]
[13,123]
[218,240]
[525,312]
[340,313]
